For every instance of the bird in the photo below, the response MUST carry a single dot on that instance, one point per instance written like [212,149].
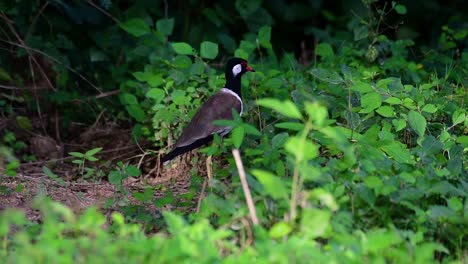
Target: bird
[201,130]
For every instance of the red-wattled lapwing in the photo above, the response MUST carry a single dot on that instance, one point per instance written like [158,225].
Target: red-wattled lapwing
[201,129]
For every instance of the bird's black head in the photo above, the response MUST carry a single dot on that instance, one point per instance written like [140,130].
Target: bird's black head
[235,67]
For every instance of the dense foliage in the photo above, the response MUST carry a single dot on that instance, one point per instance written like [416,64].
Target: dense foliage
[354,146]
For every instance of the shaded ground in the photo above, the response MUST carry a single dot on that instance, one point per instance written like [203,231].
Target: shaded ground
[79,193]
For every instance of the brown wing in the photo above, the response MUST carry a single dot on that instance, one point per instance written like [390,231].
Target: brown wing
[218,106]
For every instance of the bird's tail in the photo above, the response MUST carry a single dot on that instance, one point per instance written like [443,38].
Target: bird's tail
[169,156]
[181,150]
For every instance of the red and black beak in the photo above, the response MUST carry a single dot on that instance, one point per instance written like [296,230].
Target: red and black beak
[248,68]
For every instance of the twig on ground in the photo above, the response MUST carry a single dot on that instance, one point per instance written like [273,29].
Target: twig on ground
[245,186]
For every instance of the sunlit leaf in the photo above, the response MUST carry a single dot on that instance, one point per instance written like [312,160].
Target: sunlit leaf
[302,149]
[183,48]
[286,108]
[165,26]
[237,136]
[273,185]
[208,49]
[136,26]
[279,230]
[417,122]
[370,101]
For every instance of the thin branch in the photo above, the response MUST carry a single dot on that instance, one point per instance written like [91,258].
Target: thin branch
[166,9]
[55,60]
[39,13]
[90,2]
[245,186]
[106,94]
[20,40]
[9,87]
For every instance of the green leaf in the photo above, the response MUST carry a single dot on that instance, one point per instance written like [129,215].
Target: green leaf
[373,182]
[455,204]
[182,61]
[208,50]
[241,54]
[115,177]
[136,26]
[53,176]
[5,76]
[128,99]
[91,158]
[362,87]
[385,111]
[353,119]
[361,32]
[294,126]
[399,124]
[463,140]
[251,130]
[314,222]
[197,68]
[439,212]
[136,112]
[380,240]
[429,108]
[458,116]
[165,26]
[183,48]
[398,152]
[302,149]
[237,136]
[273,185]
[286,108]
[24,122]
[156,94]
[264,37]
[324,50]
[370,101]
[393,101]
[274,83]
[417,122]
[163,201]
[327,76]
[400,9]
[76,154]
[318,113]
[431,146]
[144,196]
[132,170]
[93,151]
[279,230]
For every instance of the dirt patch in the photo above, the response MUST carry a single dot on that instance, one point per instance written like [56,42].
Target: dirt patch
[21,190]
[78,192]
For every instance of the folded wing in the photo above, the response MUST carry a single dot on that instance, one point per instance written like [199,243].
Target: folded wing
[201,129]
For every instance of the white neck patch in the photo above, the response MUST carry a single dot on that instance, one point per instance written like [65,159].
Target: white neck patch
[225,90]
[236,69]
